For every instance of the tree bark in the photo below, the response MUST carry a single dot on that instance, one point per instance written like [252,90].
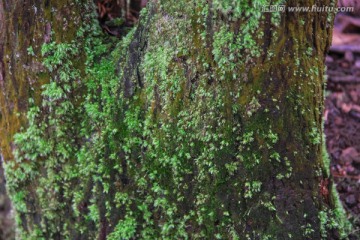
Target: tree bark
[205,121]
[24,27]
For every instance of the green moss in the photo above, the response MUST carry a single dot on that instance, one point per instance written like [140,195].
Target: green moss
[334,220]
[164,136]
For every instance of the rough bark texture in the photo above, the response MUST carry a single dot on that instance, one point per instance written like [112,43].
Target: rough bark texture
[6,216]
[24,27]
[203,122]
[6,219]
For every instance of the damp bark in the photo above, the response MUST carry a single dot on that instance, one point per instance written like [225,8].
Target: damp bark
[205,121]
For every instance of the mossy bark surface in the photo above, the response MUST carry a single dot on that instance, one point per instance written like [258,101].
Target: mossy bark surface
[205,121]
[25,26]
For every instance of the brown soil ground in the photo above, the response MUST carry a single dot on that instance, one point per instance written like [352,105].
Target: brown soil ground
[342,114]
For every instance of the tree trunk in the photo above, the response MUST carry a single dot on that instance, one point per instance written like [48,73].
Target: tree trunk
[204,121]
